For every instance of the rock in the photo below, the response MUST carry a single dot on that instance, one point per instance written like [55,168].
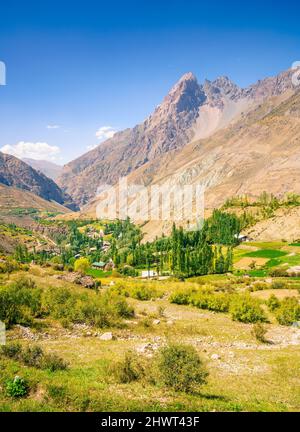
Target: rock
[148,348]
[215,357]
[107,336]
[156,321]
[145,348]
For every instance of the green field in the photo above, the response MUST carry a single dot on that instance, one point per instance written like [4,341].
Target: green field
[277,254]
[98,273]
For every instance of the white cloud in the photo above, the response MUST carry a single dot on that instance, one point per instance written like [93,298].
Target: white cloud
[105,132]
[38,150]
[54,126]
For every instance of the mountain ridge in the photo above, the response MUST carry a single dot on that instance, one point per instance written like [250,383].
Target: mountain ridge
[16,173]
[190,112]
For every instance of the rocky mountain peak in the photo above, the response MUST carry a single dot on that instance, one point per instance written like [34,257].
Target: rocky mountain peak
[185,96]
[221,88]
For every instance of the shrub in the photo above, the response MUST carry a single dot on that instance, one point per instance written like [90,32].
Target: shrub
[17,387]
[181,297]
[259,286]
[101,310]
[259,332]
[181,367]
[143,292]
[278,285]
[129,271]
[288,312]
[58,393]
[34,357]
[20,302]
[218,302]
[278,272]
[273,303]
[53,362]
[146,322]
[128,369]
[245,309]
[12,350]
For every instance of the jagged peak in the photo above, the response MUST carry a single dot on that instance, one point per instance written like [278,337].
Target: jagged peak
[188,79]
[188,76]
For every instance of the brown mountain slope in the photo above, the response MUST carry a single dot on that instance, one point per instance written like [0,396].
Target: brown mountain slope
[12,198]
[259,152]
[16,173]
[189,112]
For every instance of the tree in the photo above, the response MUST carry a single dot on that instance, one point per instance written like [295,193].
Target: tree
[81,265]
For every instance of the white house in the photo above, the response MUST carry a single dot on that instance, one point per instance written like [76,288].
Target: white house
[148,274]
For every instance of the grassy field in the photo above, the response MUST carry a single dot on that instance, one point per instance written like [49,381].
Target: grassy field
[244,374]
[266,256]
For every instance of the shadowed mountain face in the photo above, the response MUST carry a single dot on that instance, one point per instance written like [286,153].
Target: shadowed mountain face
[16,173]
[162,146]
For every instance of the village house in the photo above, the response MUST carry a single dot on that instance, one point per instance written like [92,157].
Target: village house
[98,265]
[149,274]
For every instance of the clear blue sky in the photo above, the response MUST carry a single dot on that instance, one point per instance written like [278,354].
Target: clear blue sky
[83,65]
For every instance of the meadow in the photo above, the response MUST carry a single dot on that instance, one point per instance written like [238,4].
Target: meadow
[139,320]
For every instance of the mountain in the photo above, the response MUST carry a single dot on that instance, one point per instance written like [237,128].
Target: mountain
[231,140]
[48,168]
[16,173]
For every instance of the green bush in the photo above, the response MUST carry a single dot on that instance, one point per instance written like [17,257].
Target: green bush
[278,272]
[57,393]
[20,302]
[12,350]
[288,312]
[52,362]
[143,292]
[181,367]
[278,285]
[215,302]
[129,271]
[34,357]
[128,369]
[101,310]
[181,297]
[259,332]
[273,303]
[260,286]
[245,309]
[17,387]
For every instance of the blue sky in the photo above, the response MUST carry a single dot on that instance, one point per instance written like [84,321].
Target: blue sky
[80,66]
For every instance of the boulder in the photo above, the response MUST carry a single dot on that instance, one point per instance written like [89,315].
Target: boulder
[215,357]
[107,336]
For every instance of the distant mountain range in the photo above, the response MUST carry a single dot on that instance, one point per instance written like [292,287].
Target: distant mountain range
[16,173]
[231,140]
[50,169]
